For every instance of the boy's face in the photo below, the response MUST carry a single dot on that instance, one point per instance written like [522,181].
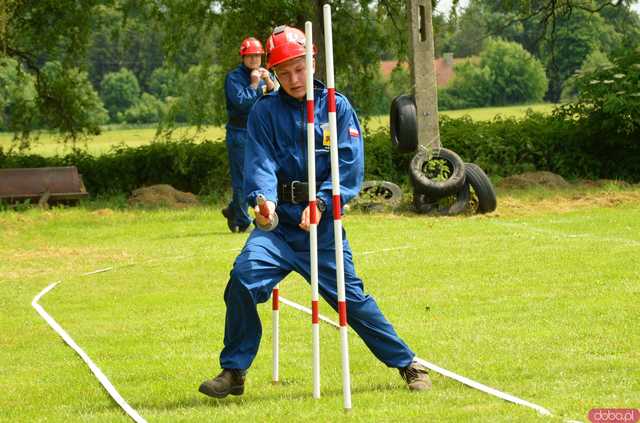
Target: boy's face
[292,75]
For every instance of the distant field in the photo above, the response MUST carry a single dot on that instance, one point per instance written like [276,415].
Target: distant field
[486,113]
[49,145]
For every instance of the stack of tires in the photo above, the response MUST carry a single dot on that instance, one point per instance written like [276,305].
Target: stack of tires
[442,183]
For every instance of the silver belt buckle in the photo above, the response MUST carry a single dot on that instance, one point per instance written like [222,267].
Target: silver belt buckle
[293,193]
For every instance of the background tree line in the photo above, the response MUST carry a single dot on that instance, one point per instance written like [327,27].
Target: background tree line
[73,65]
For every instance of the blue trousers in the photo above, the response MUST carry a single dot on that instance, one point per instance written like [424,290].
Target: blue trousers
[265,260]
[236,139]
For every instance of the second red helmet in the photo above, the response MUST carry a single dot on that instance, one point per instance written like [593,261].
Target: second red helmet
[251,45]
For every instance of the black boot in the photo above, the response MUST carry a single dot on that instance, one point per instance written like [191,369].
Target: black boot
[229,381]
[226,212]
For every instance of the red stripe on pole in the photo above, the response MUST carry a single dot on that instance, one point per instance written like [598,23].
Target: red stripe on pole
[342,312]
[315,315]
[275,304]
[336,207]
[310,111]
[314,212]
[332,100]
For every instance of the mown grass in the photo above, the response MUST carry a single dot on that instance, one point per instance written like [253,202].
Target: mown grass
[541,303]
[48,144]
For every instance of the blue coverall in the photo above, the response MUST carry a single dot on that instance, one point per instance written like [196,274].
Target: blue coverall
[276,153]
[240,98]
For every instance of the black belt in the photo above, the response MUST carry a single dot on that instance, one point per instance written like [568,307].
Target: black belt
[238,121]
[294,192]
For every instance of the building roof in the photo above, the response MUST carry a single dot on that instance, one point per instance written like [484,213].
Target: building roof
[444,71]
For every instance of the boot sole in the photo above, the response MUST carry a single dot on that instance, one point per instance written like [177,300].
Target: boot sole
[235,390]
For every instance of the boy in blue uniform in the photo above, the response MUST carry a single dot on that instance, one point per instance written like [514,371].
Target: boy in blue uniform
[243,86]
[276,167]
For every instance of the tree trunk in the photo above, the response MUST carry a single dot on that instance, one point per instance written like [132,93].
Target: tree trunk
[318,39]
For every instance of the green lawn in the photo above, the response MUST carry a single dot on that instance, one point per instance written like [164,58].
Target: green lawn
[540,302]
[48,144]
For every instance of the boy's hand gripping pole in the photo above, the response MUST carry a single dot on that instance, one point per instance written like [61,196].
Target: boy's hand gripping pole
[264,211]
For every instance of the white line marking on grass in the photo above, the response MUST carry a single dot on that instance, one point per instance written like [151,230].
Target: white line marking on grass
[385,250]
[534,229]
[95,369]
[444,372]
[484,388]
[106,269]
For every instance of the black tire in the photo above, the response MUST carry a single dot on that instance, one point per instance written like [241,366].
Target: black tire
[379,195]
[482,187]
[402,124]
[433,189]
[425,205]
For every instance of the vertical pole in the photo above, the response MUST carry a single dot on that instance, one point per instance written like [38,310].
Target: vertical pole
[423,73]
[313,227]
[275,307]
[337,212]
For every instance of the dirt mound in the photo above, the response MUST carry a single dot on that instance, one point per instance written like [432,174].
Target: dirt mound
[162,196]
[533,179]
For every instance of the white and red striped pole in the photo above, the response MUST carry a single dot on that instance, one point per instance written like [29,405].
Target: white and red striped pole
[275,307]
[313,226]
[337,222]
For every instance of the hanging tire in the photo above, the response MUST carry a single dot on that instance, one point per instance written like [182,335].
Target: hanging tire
[379,195]
[444,206]
[403,126]
[483,198]
[435,189]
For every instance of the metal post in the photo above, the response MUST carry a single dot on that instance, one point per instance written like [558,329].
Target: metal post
[275,307]
[313,227]
[337,212]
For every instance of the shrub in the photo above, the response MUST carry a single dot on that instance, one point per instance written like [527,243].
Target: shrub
[119,91]
[506,74]
[147,109]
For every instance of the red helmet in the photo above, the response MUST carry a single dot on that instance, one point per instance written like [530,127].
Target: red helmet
[285,43]
[251,45]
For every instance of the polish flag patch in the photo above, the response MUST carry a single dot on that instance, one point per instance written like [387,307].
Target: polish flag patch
[354,132]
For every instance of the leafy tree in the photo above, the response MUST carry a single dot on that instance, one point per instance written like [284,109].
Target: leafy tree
[68,102]
[198,101]
[399,81]
[118,41]
[471,32]
[471,87]
[18,107]
[119,91]
[506,74]
[147,109]
[516,76]
[562,34]
[593,62]
[164,81]
[573,40]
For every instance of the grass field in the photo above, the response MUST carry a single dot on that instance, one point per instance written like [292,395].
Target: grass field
[539,299]
[48,145]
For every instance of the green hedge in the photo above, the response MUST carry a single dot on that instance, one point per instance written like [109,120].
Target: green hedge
[201,168]
[502,147]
